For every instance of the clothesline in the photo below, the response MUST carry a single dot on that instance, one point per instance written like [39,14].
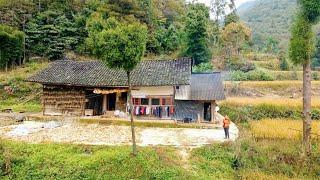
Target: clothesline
[154,105]
[157,111]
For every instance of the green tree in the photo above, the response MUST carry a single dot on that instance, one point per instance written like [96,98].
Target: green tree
[316,58]
[235,36]
[11,46]
[231,18]
[51,33]
[271,45]
[121,46]
[301,50]
[218,9]
[196,33]
[284,65]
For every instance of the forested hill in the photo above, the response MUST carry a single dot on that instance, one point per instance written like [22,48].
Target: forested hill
[270,20]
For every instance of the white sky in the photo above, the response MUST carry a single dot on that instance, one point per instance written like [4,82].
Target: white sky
[238,2]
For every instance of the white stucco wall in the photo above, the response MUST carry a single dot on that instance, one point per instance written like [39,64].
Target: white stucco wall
[142,92]
[183,93]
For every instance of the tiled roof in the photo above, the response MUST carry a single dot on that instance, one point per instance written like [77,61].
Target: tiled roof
[207,87]
[96,74]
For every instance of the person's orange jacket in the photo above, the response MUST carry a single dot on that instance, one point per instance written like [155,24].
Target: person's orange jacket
[226,123]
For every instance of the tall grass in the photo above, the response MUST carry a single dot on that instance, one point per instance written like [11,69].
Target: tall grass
[280,128]
[280,101]
[270,85]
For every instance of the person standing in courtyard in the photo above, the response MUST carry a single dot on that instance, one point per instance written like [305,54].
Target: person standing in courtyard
[226,123]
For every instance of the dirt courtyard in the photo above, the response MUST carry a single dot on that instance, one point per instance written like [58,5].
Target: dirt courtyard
[97,134]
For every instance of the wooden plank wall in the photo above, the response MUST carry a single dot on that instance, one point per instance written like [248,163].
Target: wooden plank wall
[60,100]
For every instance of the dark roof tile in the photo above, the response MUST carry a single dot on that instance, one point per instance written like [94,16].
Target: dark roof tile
[96,74]
[207,87]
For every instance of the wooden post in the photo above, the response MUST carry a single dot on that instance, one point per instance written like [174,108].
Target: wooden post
[104,103]
[213,111]
[199,118]
[117,107]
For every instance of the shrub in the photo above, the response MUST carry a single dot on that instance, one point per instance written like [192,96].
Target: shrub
[203,67]
[284,65]
[315,76]
[255,75]
[238,76]
[241,65]
[315,114]
[260,75]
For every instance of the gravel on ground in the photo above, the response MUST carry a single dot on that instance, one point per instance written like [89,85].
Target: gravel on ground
[97,134]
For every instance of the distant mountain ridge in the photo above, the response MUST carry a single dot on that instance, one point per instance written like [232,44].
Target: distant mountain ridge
[269,18]
[245,6]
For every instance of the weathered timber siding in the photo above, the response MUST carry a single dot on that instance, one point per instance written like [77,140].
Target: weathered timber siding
[58,100]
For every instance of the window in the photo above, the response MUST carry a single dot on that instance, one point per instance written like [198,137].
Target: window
[155,101]
[136,101]
[144,101]
[166,101]
[177,87]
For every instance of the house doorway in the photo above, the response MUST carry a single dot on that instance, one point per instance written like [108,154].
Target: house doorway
[94,102]
[207,111]
[111,101]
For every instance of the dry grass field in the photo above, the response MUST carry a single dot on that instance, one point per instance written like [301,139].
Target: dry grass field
[273,85]
[280,101]
[281,129]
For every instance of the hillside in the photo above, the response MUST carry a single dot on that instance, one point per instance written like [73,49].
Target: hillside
[269,18]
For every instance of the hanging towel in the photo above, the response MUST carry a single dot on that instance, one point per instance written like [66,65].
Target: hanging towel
[137,110]
[171,110]
[147,110]
[167,111]
[160,112]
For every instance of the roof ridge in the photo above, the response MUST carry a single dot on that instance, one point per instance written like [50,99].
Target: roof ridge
[95,60]
[213,72]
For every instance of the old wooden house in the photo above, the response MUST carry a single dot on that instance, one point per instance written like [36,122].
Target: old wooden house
[162,89]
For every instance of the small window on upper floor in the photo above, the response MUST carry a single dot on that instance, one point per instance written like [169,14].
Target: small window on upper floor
[144,101]
[155,101]
[177,87]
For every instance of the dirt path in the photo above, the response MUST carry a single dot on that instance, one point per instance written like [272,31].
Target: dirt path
[95,134]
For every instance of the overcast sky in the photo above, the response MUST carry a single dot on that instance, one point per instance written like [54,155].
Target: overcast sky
[238,2]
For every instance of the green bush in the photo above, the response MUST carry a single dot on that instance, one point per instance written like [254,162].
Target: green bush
[203,67]
[315,114]
[315,76]
[238,76]
[255,75]
[260,75]
[241,65]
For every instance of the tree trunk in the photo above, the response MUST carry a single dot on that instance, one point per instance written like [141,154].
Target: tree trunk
[307,108]
[39,6]
[134,146]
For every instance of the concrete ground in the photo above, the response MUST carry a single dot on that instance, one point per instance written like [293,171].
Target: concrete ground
[99,134]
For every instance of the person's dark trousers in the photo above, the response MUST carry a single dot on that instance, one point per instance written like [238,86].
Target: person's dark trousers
[226,132]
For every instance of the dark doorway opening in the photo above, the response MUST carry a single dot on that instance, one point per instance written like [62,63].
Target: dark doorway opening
[207,111]
[111,101]
[94,102]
